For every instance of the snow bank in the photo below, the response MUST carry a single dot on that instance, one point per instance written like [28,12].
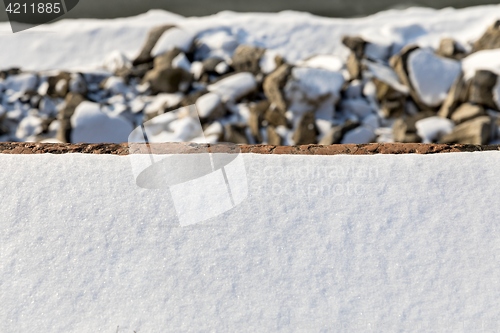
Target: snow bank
[73,44]
[322,243]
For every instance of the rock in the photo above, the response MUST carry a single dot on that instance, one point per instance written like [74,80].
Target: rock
[234,87]
[360,107]
[306,132]
[210,106]
[77,84]
[308,88]
[457,95]
[151,40]
[22,83]
[383,74]
[466,112]
[274,84]
[476,131]
[489,40]
[58,84]
[168,80]
[160,104]
[181,61]
[8,72]
[192,97]
[91,125]
[359,135]
[235,134]
[404,129]
[353,65]
[275,117]
[481,89]
[273,138]
[431,129]
[246,58]
[355,44]
[448,48]
[431,76]
[71,102]
[210,64]
[257,111]
[171,39]
[165,60]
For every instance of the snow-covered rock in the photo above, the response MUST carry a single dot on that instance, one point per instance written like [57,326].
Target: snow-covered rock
[173,38]
[181,61]
[486,60]
[91,125]
[28,127]
[234,87]
[432,128]
[22,82]
[432,76]
[208,104]
[359,135]
[116,61]
[324,61]
[216,43]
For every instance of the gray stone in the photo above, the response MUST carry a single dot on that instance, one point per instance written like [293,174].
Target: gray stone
[449,48]
[257,111]
[246,58]
[58,84]
[476,131]
[273,137]
[71,102]
[481,88]
[168,80]
[457,95]
[466,112]
[306,132]
[151,40]
[489,40]
[404,129]
[235,134]
[274,84]
[355,44]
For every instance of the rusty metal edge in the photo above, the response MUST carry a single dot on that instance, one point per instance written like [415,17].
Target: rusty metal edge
[190,148]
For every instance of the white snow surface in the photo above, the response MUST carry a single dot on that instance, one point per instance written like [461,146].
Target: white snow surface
[431,75]
[381,243]
[83,43]
[432,128]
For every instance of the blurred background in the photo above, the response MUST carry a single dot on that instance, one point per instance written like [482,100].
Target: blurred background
[331,8]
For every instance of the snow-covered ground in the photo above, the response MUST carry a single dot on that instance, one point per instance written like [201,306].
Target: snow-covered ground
[379,243]
[85,43]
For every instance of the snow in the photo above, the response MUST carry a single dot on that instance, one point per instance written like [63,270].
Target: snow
[91,125]
[432,76]
[432,128]
[171,39]
[321,243]
[234,87]
[481,60]
[360,135]
[207,103]
[84,43]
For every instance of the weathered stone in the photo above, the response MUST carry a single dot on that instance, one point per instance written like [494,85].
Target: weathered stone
[274,84]
[153,37]
[234,134]
[481,88]
[466,112]
[8,72]
[457,95]
[353,65]
[392,102]
[210,64]
[275,117]
[476,131]
[449,48]
[72,101]
[165,60]
[334,136]
[399,63]
[273,137]
[355,44]
[490,39]
[168,80]
[404,129]
[246,58]
[257,111]
[306,132]
[191,98]
[58,84]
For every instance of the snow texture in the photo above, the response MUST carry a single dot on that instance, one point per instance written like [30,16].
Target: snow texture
[431,75]
[84,43]
[321,243]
